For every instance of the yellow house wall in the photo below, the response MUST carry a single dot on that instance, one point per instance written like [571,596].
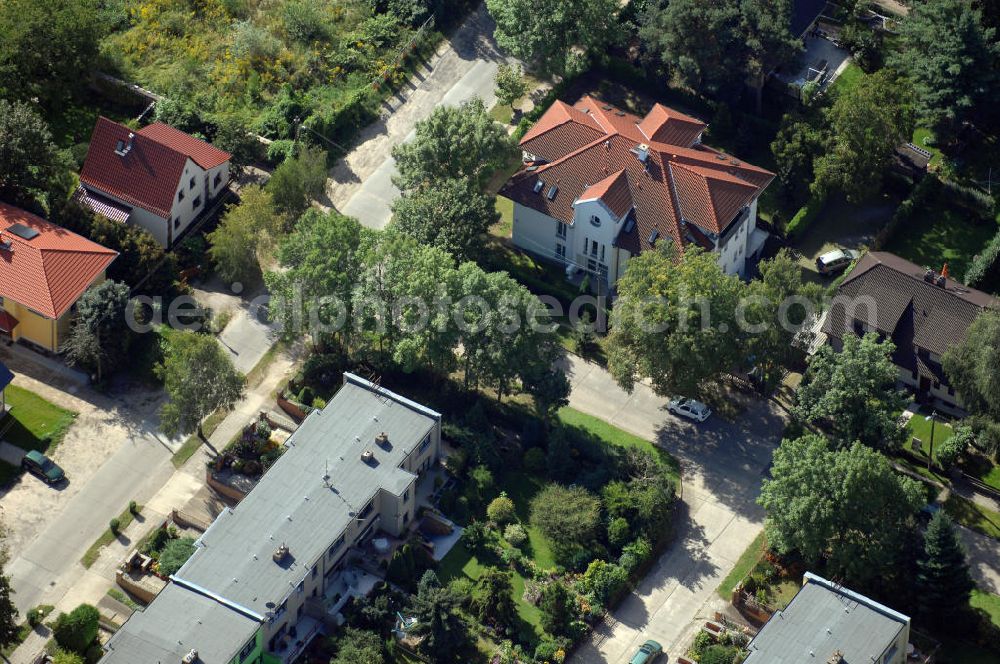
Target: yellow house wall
[38,329]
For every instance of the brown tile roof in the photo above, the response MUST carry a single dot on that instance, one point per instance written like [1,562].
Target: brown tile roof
[891,295]
[149,174]
[49,271]
[613,190]
[584,145]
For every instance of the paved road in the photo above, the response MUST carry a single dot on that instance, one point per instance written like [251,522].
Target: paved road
[360,185]
[723,464]
[984,559]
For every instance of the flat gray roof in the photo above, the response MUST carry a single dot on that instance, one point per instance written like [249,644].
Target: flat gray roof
[178,621]
[823,618]
[295,506]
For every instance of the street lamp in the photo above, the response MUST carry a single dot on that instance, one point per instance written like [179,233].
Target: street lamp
[932,418]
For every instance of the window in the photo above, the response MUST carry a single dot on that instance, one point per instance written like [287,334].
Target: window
[177,223]
[315,569]
[197,203]
[217,180]
[561,230]
[180,195]
[367,510]
[280,611]
[602,253]
[406,496]
[191,183]
[302,586]
[336,545]
[561,250]
[593,247]
[247,649]
[553,190]
[425,443]
[538,186]
[595,220]
[406,517]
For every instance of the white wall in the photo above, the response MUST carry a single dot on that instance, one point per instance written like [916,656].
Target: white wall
[733,254]
[536,232]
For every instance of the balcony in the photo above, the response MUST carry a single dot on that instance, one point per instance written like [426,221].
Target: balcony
[295,641]
[352,582]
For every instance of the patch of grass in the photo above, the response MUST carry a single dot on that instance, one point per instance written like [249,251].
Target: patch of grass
[614,436]
[848,79]
[987,602]
[982,469]
[259,370]
[942,233]
[119,595]
[925,139]
[502,113]
[35,424]
[191,445]
[24,630]
[747,560]
[107,537]
[973,516]
[505,227]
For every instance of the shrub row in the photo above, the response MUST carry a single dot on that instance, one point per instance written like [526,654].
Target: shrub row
[972,198]
[804,217]
[930,185]
[985,267]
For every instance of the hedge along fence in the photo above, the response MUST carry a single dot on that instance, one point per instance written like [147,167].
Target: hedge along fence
[804,217]
[927,187]
[972,198]
[984,271]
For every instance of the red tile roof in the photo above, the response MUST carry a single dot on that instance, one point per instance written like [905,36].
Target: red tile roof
[614,191]
[149,174]
[50,271]
[583,146]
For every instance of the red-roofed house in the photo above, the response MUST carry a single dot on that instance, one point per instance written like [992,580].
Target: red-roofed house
[44,269]
[158,178]
[600,185]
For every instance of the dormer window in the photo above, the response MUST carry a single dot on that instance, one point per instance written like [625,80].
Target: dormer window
[538,186]
[595,220]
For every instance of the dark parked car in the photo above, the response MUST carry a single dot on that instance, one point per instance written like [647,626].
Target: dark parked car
[42,467]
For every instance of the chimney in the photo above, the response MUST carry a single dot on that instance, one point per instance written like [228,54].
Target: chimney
[642,152]
[836,658]
[190,658]
[280,553]
[122,148]
[941,281]
[929,276]
[382,440]
[368,456]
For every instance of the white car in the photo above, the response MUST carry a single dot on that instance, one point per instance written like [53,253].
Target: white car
[836,260]
[689,408]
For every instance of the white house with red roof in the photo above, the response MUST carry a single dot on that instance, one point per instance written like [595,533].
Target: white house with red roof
[600,185]
[158,177]
[44,269]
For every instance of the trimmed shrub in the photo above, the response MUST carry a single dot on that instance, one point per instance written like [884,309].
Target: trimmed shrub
[77,629]
[501,510]
[515,534]
[804,218]
[950,451]
[175,554]
[618,531]
[114,526]
[985,266]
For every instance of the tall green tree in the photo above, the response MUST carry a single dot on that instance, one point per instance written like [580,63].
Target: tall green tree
[971,366]
[455,142]
[675,321]
[298,180]
[319,259]
[245,234]
[943,581]
[867,123]
[9,628]
[199,378]
[77,630]
[853,393]
[952,59]
[795,147]
[358,646]
[33,172]
[557,36]
[493,598]
[48,49]
[569,517]
[451,214]
[437,612]
[556,605]
[717,46]
[510,84]
[100,337]
[846,507]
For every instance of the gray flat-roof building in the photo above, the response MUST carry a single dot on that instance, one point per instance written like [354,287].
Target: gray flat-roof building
[349,471]
[829,624]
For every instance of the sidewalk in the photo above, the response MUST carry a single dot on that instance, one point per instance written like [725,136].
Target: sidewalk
[91,585]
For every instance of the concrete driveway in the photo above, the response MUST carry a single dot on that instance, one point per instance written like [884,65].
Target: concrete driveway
[360,184]
[984,559]
[247,337]
[722,464]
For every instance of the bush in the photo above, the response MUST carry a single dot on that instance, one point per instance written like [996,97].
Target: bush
[618,532]
[719,654]
[501,510]
[534,460]
[175,554]
[133,507]
[77,629]
[804,218]
[604,580]
[985,266]
[515,534]
[66,657]
[114,525]
[474,536]
[950,451]
[927,187]
[522,128]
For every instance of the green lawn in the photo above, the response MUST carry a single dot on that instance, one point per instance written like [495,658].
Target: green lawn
[91,555]
[941,234]
[848,78]
[982,469]
[924,138]
[505,226]
[971,515]
[33,424]
[615,436]
[988,602]
[743,566]
[919,427]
